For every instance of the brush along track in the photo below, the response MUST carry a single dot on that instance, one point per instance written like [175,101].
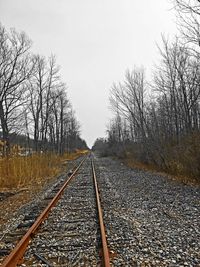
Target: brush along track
[70,236]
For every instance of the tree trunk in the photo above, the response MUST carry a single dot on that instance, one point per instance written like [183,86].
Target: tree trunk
[5,131]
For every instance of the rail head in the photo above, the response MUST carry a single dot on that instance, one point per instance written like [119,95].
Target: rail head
[106,254]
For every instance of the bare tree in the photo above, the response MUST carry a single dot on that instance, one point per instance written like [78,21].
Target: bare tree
[177,81]
[37,86]
[127,99]
[188,13]
[43,88]
[15,68]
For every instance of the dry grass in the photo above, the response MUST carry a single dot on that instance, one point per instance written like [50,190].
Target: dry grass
[149,167]
[19,172]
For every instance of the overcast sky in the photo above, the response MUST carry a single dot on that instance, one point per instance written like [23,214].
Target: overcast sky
[95,41]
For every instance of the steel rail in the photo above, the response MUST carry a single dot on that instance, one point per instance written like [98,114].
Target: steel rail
[106,255]
[16,255]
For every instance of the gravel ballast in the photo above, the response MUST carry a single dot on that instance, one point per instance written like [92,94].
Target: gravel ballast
[70,235]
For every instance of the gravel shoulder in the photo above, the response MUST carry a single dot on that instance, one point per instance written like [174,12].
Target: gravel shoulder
[150,219]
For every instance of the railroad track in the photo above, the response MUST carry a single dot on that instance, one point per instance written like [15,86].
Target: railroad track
[70,230]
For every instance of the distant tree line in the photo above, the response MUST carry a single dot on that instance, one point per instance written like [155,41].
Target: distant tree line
[33,98]
[158,122]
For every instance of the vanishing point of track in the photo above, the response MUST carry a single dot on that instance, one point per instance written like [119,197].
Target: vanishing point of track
[17,254]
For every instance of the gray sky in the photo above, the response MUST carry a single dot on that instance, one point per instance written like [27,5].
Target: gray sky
[95,41]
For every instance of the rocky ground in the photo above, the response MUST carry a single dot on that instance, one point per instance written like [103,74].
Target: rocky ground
[150,219]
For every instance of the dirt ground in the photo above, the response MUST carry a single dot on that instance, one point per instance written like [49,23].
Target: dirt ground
[11,202]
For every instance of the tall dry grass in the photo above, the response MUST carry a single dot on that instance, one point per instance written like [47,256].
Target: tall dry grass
[182,160]
[17,172]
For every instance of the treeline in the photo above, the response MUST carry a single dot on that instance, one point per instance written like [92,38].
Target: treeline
[33,98]
[158,122]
